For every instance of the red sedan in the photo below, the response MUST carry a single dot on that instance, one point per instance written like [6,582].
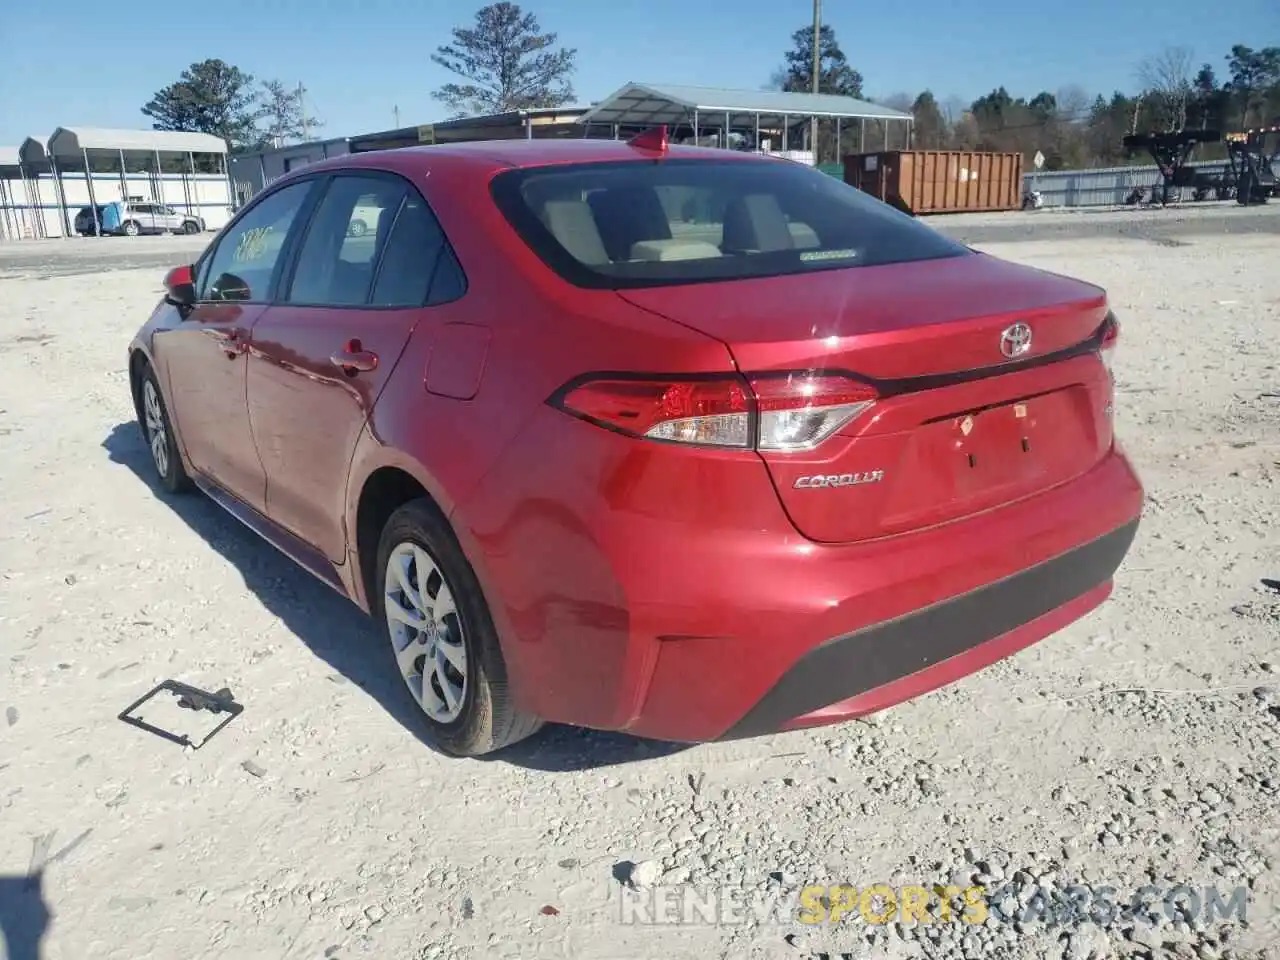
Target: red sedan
[689,443]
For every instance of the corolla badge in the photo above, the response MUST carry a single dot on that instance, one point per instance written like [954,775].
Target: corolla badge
[827,481]
[1015,340]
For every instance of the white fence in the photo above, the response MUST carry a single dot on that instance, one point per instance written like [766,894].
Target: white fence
[1105,186]
[46,206]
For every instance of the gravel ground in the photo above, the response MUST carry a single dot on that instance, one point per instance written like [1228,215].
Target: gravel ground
[36,259]
[1136,747]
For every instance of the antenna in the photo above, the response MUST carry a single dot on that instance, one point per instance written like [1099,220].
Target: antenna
[654,139]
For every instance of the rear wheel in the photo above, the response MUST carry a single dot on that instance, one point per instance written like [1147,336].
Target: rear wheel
[131,228]
[158,431]
[442,636]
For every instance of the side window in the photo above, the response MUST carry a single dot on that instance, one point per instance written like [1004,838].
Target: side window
[245,259]
[448,282]
[350,226]
[410,256]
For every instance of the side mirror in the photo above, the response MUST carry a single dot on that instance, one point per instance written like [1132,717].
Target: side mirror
[229,287]
[180,287]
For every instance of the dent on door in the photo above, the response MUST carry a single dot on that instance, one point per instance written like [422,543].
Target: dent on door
[458,360]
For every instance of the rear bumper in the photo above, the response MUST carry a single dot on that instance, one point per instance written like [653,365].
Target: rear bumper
[630,594]
[921,651]
[836,632]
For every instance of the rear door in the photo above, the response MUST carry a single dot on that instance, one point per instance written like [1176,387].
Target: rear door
[145,215]
[322,354]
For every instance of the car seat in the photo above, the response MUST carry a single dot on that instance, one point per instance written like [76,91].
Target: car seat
[755,224]
[624,216]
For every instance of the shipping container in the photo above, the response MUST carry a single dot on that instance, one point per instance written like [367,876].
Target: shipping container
[939,181]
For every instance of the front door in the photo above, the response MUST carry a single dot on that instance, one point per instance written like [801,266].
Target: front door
[321,356]
[205,355]
[167,218]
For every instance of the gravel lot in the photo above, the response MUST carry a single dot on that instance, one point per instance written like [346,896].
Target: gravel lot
[1136,747]
[85,255]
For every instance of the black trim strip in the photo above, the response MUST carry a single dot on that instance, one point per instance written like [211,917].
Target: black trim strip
[297,550]
[855,663]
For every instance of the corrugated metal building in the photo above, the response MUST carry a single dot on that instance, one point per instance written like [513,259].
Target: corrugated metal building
[46,180]
[748,119]
[250,172]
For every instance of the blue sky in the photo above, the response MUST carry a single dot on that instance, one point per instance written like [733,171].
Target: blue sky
[361,58]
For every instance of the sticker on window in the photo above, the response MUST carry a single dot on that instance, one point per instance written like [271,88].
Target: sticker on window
[252,244]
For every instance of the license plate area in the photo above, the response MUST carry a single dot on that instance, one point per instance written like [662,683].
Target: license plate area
[974,459]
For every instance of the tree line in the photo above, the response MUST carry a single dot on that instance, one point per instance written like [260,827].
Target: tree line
[1071,127]
[503,61]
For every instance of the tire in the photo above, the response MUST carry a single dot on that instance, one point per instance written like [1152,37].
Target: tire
[131,228]
[157,430]
[480,717]
[357,228]
[190,227]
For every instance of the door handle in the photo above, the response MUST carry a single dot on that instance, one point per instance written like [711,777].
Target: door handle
[353,358]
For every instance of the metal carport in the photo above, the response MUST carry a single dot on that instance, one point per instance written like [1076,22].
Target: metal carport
[643,105]
[81,148]
[10,172]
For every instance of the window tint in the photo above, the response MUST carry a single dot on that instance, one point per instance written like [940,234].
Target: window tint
[412,250]
[680,221]
[246,256]
[336,262]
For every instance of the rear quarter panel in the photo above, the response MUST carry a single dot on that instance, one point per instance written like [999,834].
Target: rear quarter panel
[542,333]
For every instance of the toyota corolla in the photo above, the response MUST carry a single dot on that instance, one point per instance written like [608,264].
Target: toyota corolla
[683,442]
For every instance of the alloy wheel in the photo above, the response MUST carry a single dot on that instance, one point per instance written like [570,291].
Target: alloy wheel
[157,436]
[426,632]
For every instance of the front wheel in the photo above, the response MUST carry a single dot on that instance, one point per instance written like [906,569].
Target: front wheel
[190,227]
[158,431]
[442,636]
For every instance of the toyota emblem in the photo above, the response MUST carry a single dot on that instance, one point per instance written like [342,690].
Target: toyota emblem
[1016,340]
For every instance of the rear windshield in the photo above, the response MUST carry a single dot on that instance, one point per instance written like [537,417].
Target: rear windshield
[660,222]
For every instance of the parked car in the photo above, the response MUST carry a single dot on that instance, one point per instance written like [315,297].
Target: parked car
[363,218]
[586,464]
[85,225]
[132,219]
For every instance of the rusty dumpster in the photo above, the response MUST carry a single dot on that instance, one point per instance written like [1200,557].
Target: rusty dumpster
[939,181]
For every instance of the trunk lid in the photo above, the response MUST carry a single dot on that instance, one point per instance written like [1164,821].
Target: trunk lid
[959,426]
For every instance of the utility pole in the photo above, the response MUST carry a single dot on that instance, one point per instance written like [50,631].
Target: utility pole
[817,75]
[302,113]
[396,111]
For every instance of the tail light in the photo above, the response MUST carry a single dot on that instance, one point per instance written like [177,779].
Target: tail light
[1110,337]
[798,412]
[712,410]
[787,412]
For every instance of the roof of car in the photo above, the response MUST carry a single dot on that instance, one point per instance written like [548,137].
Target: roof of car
[522,153]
